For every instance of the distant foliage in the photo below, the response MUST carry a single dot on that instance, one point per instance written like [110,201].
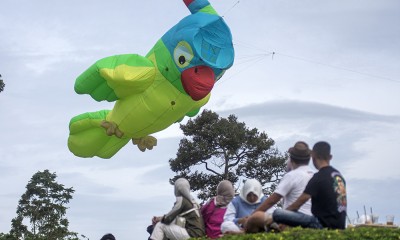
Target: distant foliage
[216,148]
[10,237]
[43,207]
[2,85]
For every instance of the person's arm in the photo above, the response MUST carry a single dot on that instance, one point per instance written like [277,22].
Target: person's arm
[299,202]
[175,211]
[269,202]
[230,213]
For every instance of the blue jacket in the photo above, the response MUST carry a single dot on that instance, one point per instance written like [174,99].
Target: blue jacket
[238,208]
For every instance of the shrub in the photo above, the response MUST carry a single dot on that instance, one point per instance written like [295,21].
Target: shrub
[359,233]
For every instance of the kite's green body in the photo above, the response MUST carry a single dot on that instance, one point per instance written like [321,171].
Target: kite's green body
[172,81]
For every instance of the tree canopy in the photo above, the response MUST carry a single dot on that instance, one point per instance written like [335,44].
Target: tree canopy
[42,205]
[216,148]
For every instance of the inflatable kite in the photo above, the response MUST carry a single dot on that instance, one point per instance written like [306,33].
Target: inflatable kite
[172,81]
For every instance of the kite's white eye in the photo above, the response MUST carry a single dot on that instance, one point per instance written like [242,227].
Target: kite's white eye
[183,54]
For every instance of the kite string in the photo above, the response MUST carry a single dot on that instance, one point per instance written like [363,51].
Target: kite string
[247,61]
[234,5]
[337,67]
[250,62]
[274,53]
[250,46]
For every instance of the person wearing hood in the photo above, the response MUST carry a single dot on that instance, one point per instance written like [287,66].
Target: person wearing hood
[185,206]
[214,210]
[238,210]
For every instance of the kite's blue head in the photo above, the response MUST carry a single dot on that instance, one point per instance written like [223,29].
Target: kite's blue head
[201,47]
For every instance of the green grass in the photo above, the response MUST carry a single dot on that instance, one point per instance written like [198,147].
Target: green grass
[364,233]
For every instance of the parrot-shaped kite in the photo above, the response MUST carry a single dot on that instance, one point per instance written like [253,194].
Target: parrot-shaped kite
[172,81]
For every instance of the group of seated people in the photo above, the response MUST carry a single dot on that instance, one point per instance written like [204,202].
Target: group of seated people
[309,199]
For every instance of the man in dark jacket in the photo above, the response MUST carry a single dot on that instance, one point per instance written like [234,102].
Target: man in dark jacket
[327,190]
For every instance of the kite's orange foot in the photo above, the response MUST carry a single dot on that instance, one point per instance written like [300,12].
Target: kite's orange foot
[112,129]
[144,143]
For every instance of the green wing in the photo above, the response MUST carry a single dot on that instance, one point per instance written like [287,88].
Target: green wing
[116,77]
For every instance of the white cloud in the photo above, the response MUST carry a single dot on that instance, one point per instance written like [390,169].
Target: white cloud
[363,144]
[123,184]
[378,158]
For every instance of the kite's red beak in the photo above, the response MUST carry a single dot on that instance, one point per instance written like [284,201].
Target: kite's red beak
[198,81]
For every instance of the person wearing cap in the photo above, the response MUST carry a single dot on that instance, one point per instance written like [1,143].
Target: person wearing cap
[328,204]
[290,187]
[239,209]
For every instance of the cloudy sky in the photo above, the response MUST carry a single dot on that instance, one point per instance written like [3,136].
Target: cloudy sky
[304,70]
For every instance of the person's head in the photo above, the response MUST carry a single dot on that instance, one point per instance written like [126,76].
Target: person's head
[300,153]
[225,193]
[182,188]
[321,154]
[108,236]
[251,191]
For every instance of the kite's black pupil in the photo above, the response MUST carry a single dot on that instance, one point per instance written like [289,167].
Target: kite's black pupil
[182,59]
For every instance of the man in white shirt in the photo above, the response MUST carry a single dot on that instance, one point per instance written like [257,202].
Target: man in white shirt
[289,189]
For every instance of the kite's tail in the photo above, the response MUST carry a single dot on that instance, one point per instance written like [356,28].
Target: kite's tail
[88,136]
[199,6]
